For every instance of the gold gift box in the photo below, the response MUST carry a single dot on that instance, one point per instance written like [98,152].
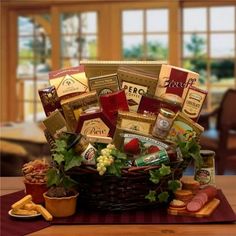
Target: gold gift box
[104,84]
[74,106]
[98,68]
[56,124]
[132,121]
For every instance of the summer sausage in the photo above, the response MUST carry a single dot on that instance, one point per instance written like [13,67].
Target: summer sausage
[201,198]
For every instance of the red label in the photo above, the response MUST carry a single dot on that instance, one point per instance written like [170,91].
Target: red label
[177,82]
[67,71]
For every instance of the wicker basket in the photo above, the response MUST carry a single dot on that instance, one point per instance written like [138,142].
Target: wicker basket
[121,193]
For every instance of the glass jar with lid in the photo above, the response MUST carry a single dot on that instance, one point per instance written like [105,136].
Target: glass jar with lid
[205,173]
[163,123]
[84,148]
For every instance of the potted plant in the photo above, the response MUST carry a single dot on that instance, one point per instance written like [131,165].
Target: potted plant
[61,198]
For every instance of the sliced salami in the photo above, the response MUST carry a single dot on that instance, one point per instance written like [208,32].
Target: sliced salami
[194,205]
[210,191]
[201,198]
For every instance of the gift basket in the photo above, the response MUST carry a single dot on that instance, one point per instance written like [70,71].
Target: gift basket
[124,132]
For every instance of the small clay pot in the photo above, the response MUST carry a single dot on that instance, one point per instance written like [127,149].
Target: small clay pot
[36,190]
[61,206]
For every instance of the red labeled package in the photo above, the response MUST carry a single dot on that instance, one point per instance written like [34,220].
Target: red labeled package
[175,80]
[113,102]
[95,123]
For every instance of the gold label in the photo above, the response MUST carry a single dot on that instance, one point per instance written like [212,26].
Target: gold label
[104,85]
[70,84]
[133,94]
[95,127]
[193,103]
[136,125]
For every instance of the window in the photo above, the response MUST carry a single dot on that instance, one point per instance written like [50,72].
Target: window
[58,35]
[209,48]
[78,37]
[33,63]
[145,34]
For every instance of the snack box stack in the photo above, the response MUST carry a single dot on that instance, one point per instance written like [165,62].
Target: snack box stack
[124,102]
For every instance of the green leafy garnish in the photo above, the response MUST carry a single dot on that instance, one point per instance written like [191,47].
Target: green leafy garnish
[58,158]
[163,196]
[68,182]
[190,147]
[151,196]
[71,160]
[53,177]
[120,161]
[63,160]
[155,175]
[118,155]
[164,170]
[173,185]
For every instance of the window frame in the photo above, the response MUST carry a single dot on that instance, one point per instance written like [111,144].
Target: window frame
[102,25]
[107,35]
[173,32]
[208,32]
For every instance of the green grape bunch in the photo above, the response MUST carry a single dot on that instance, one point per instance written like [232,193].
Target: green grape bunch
[105,159]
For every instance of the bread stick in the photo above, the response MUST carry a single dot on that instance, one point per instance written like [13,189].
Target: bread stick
[21,202]
[24,212]
[47,216]
[29,206]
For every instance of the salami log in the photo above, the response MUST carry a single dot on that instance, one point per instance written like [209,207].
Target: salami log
[201,198]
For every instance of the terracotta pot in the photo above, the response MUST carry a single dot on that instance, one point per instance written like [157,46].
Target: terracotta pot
[36,190]
[61,207]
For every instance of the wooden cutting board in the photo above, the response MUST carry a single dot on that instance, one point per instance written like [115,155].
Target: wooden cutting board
[205,211]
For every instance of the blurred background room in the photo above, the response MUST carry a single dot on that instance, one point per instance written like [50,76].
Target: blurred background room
[45,35]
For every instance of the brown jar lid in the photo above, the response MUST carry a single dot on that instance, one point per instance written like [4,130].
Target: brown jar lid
[167,113]
[207,153]
[172,99]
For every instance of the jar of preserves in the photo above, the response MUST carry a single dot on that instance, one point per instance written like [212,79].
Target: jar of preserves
[84,148]
[163,123]
[205,174]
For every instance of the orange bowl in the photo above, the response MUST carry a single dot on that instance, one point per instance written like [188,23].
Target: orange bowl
[61,207]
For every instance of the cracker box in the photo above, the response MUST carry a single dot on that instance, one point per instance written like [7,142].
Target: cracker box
[175,80]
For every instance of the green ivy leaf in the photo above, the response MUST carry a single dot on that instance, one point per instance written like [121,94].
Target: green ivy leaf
[72,161]
[154,176]
[164,170]
[58,158]
[53,177]
[120,161]
[67,182]
[118,155]
[173,185]
[151,196]
[60,145]
[115,168]
[190,147]
[163,196]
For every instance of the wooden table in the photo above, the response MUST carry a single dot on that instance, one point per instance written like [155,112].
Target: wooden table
[226,183]
[28,135]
